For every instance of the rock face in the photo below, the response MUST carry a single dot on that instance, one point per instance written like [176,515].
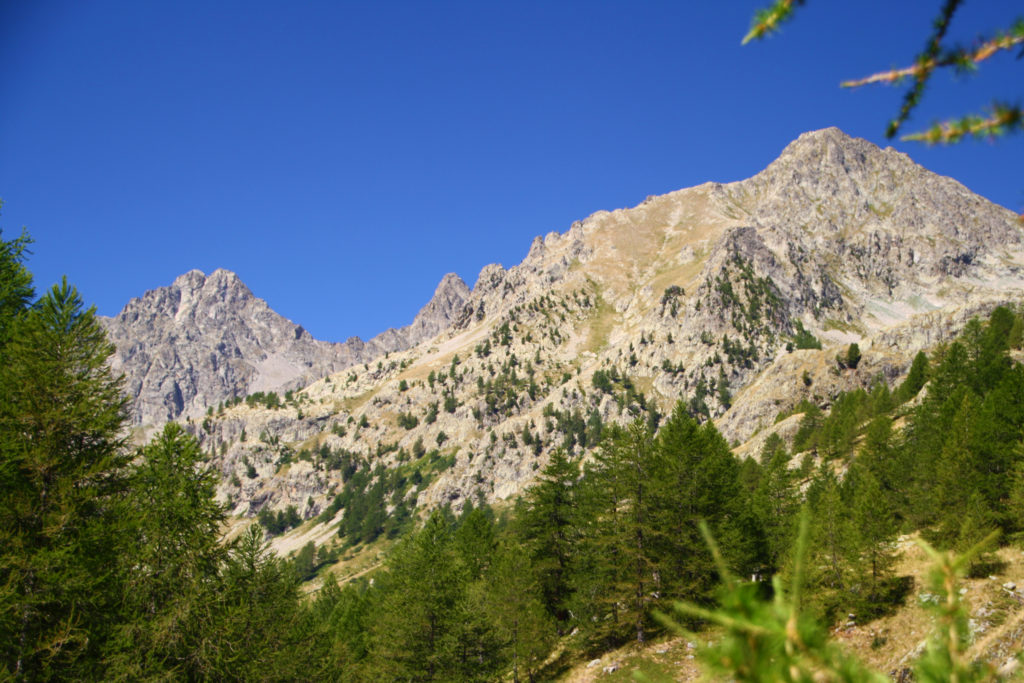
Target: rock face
[205,339]
[695,296]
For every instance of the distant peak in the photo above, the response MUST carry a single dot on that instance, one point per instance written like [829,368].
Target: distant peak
[224,273]
[821,139]
[193,279]
[830,133]
[449,282]
[224,277]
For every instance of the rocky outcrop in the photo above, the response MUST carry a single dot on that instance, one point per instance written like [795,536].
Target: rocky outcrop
[205,339]
[698,295]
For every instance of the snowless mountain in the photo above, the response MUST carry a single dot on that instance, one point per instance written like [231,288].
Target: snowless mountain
[714,295]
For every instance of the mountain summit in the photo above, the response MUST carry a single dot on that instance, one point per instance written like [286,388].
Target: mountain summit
[733,298]
[205,339]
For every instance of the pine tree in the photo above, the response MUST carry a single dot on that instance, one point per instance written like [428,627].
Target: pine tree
[62,466]
[776,503]
[875,533]
[695,477]
[615,576]
[253,626]
[832,544]
[547,524]
[955,475]
[475,540]
[511,594]
[16,291]
[424,628]
[915,379]
[171,554]
[887,463]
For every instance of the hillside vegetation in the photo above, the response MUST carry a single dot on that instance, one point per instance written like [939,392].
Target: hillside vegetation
[515,485]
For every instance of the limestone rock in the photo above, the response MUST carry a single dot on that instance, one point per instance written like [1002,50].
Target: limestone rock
[693,296]
[205,339]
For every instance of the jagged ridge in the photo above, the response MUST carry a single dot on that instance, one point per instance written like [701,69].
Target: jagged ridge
[205,339]
[694,293]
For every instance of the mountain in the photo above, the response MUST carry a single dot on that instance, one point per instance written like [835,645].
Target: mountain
[705,295]
[205,339]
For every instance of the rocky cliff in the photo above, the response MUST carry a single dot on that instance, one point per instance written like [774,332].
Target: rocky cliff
[705,295]
[205,339]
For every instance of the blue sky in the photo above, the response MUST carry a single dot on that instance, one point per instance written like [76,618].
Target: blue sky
[342,157]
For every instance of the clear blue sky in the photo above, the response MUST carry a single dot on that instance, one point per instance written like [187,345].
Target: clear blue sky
[341,157]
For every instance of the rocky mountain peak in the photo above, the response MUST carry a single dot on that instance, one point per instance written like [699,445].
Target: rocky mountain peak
[704,294]
[207,338]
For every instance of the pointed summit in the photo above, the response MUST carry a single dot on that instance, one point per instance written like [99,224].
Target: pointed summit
[207,338]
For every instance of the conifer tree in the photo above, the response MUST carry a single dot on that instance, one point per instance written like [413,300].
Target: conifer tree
[170,556]
[915,379]
[16,291]
[886,462]
[614,576]
[61,467]
[955,475]
[832,544]
[547,524]
[475,540]
[776,503]
[695,478]
[874,526]
[511,595]
[253,628]
[425,627]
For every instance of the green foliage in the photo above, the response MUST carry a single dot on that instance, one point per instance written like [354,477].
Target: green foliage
[775,502]
[280,522]
[16,291]
[525,632]
[670,300]
[427,625]
[172,525]
[546,526]
[63,463]
[255,603]
[770,640]
[407,420]
[1001,119]
[915,379]
[268,399]
[803,339]
[810,423]
[852,359]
